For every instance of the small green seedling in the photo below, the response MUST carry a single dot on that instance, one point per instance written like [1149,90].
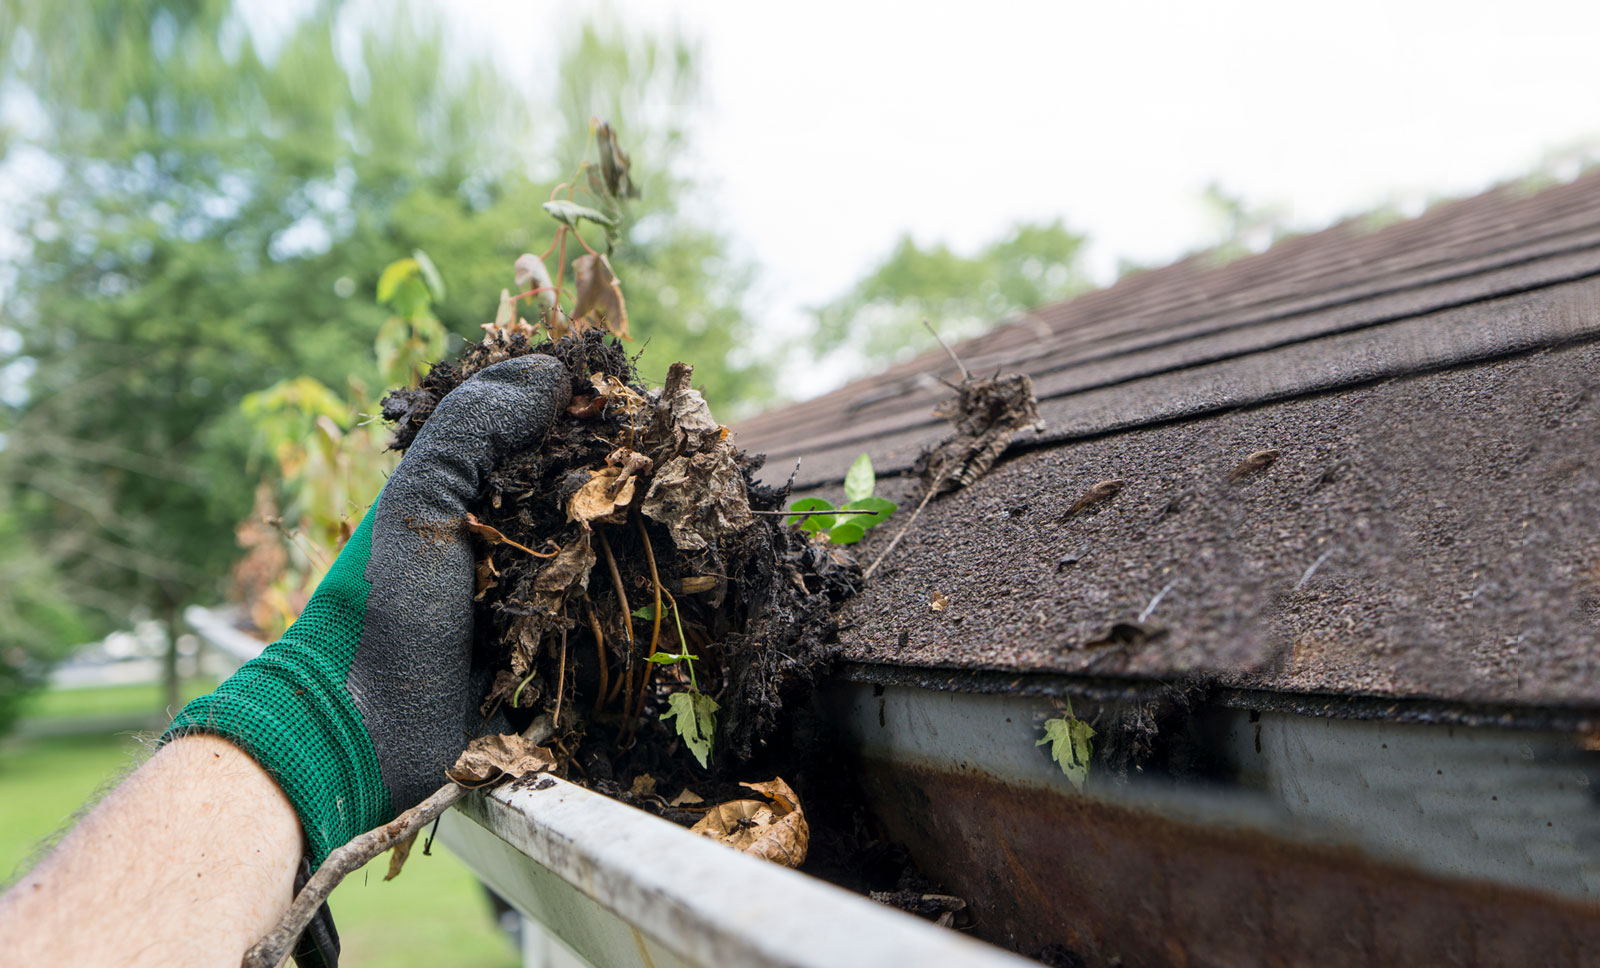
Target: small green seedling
[694,711]
[1069,745]
[859,483]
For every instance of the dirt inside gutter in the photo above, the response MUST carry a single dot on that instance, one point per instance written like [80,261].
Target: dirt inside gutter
[570,607]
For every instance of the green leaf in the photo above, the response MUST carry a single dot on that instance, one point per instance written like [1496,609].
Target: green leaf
[430,274]
[846,532]
[645,612]
[669,658]
[393,275]
[568,213]
[881,508]
[1069,746]
[859,481]
[813,522]
[696,715]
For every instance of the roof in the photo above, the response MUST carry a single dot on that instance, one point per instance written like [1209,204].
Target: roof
[1421,524]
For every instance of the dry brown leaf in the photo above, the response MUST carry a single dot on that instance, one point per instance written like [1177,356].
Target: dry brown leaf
[568,569]
[695,584]
[486,574]
[617,394]
[644,785]
[488,758]
[530,272]
[595,502]
[686,797]
[506,321]
[776,831]
[939,602]
[599,300]
[397,857]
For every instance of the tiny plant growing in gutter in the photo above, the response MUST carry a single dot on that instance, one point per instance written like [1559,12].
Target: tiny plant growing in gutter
[865,510]
[694,712]
[1070,746]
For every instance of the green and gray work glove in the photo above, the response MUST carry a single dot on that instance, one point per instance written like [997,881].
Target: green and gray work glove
[374,691]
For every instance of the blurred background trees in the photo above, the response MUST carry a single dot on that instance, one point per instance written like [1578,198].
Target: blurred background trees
[206,216]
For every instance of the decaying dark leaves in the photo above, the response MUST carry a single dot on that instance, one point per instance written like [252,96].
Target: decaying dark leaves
[656,479]
[986,415]
[488,758]
[775,831]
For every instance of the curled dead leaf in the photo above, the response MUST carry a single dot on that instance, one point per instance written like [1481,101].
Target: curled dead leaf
[594,501]
[489,758]
[644,785]
[599,303]
[685,798]
[939,603]
[695,584]
[775,831]
[530,273]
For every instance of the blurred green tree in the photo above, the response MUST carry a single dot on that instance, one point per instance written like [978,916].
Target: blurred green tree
[880,318]
[207,215]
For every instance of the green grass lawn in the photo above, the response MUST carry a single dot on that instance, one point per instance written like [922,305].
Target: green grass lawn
[432,914]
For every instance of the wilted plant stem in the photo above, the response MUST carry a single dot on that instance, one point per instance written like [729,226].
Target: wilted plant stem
[599,653]
[270,950]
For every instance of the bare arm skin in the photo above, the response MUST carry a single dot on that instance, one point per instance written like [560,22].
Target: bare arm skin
[187,862]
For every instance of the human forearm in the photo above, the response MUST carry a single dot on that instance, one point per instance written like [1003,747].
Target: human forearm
[188,862]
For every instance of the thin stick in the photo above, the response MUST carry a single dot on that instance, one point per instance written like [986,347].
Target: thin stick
[932,490]
[655,628]
[599,652]
[270,950]
[954,358]
[616,582]
[561,676]
[627,614]
[807,514]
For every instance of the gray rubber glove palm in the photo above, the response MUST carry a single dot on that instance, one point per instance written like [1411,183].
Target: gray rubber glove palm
[374,690]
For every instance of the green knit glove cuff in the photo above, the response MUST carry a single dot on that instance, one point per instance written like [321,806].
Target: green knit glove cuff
[289,708]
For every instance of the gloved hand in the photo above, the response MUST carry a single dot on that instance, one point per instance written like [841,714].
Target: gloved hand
[374,690]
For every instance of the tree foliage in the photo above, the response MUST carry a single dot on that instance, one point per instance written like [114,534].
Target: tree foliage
[209,218]
[881,316]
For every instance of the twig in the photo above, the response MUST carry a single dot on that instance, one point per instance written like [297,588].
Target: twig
[561,675]
[807,514]
[270,950]
[954,358]
[932,490]
[1150,608]
[655,628]
[616,582]
[599,652]
[627,616]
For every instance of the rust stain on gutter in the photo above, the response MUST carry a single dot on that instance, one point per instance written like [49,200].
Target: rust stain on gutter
[1125,887]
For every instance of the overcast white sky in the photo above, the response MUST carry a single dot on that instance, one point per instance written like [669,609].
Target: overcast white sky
[831,127]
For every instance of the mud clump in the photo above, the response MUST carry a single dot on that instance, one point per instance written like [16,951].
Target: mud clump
[636,529]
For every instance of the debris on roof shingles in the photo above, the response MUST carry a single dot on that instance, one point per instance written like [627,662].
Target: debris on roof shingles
[1353,464]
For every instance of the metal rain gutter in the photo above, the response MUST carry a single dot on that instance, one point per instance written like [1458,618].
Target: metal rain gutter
[614,887]
[1294,839]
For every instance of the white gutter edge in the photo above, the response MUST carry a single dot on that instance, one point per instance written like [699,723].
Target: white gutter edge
[695,901]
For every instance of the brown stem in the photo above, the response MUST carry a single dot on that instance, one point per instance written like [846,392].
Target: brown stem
[655,628]
[561,676]
[932,490]
[270,950]
[627,614]
[599,653]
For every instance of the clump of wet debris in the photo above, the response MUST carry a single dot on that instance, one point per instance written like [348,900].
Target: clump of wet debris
[635,529]
[663,622]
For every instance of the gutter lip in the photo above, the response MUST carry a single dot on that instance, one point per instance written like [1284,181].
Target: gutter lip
[706,903]
[1414,709]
